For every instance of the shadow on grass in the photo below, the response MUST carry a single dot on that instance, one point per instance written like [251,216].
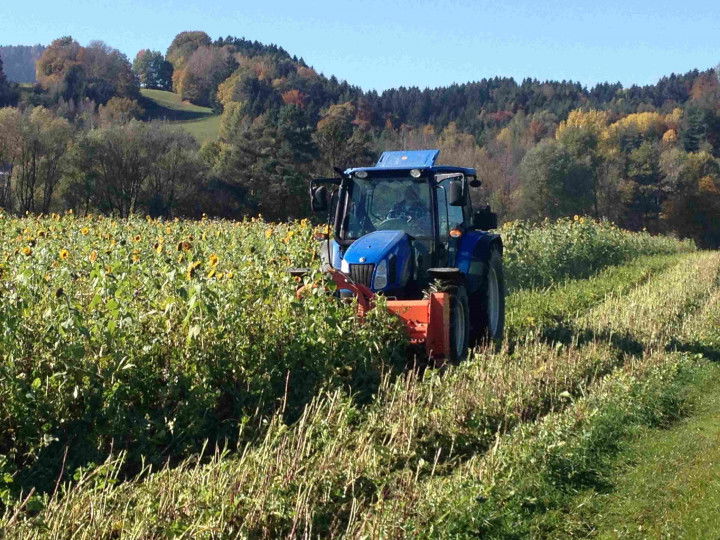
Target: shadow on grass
[710,352]
[155,111]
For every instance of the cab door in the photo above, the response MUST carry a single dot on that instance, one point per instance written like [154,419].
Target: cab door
[448,218]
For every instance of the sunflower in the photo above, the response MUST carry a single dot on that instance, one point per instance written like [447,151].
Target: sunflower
[184,246]
[64,254]
[84,231]
[93,256]
[190,272]
[137,238]
[27,251]
[213,260]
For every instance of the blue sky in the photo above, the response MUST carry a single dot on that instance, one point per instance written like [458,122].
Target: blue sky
[379,45]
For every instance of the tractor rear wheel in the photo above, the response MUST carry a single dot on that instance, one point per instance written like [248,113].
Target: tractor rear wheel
[489,301]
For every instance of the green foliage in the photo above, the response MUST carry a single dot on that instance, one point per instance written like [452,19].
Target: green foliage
[538,256]
[693,128]
[123,168]
[35,142]
[555,183]
[152,70]
[340,144]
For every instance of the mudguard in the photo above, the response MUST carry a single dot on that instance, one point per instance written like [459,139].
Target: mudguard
[473,254]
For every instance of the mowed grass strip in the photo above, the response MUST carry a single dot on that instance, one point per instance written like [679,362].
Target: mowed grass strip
[537,310]
[378,469]
[667,484]
[651,315]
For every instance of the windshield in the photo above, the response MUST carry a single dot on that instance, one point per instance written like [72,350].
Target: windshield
[383,204]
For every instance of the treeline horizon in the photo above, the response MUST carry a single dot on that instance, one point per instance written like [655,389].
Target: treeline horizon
[642,156]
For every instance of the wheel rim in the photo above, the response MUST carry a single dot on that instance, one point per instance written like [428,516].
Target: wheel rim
[493,303]
[460,323]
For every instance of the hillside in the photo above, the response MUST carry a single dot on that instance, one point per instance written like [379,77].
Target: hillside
[199,121]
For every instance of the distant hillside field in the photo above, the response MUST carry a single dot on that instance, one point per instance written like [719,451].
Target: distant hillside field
[199,121]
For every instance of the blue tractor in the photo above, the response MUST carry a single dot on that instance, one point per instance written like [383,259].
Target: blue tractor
[406,229]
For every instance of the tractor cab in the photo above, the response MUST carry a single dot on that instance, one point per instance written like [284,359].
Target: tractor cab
[407,223]
[395,221]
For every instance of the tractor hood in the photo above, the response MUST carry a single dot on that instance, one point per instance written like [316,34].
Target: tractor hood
[381,260]
[374,247]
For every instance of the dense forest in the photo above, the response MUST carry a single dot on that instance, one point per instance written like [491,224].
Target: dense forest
[644,156]
[19,61]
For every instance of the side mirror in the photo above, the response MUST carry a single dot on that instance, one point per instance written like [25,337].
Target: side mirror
[455,193]
[485,219]
[319,199]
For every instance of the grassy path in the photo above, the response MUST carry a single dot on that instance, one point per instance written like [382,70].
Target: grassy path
[668,482]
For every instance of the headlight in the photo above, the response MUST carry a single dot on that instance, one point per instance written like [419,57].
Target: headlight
[381,275]
[344,267]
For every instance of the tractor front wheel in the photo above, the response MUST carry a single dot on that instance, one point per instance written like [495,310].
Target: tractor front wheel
[459,323]
[489,301]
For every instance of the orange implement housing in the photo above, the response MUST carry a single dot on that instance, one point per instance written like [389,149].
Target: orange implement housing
[427,321]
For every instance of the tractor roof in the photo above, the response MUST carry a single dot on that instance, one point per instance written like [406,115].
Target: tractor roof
[406,160]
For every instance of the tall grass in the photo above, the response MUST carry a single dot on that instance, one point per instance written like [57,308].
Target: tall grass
[538,255]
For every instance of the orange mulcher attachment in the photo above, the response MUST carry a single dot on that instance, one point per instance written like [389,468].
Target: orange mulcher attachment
[427,321]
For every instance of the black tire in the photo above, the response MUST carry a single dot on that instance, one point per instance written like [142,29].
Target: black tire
[459,322]
[486,326]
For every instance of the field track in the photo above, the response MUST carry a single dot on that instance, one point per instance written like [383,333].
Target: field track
[500,445]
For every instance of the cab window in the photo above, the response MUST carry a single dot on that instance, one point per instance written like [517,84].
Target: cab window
[449,217]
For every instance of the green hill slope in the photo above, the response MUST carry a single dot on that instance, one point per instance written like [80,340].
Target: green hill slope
[199,121]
